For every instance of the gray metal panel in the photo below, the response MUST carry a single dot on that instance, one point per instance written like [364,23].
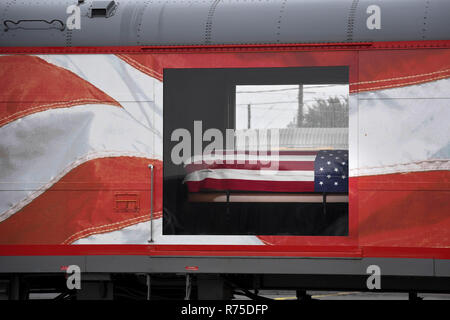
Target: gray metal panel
[179,23]
[236,21]
[400,20]
[32,10]
[401,267]
[442,268]
[335,266]
[313,22]
[196,22]
[437,24]
[140,22]
[248,265]
[262,265]
[39,264]
[98,31]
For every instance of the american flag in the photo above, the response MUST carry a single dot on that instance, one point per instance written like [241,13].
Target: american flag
[331,171]
[287,171]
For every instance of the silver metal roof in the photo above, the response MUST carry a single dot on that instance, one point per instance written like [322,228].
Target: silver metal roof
[200,22]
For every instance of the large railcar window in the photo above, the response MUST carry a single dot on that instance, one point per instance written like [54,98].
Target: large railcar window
[256,151]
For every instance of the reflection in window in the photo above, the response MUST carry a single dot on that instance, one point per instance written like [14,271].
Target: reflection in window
[308,116]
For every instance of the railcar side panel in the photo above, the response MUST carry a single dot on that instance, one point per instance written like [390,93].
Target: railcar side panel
[79,132]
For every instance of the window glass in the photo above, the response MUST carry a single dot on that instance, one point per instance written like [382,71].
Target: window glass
[256,151]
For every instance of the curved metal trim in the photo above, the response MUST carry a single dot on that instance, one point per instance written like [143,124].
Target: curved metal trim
[209,24]
[351,20]
[5,23]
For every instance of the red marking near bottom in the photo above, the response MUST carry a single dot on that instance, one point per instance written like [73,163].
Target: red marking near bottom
[191,268]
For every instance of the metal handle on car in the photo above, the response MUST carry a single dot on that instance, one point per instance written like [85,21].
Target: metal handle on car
[151,203]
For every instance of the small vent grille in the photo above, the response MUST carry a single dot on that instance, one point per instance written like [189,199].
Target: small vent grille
[98,13]
[102,9]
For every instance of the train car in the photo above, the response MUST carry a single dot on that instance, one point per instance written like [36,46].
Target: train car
[204,149]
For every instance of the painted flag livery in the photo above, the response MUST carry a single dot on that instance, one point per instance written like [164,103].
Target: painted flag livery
[78,131]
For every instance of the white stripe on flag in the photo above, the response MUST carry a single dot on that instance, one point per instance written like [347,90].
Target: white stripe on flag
[44,146]
[140,94]
[255,175]
[401,130]
[245,157]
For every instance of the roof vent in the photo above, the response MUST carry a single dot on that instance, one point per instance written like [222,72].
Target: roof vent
[102,9]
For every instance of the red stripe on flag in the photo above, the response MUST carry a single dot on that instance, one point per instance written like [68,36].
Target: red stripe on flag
[378,69]
[30,84]
[146,63]
[413,181]
[101,195]
[250,185]
[263,153]
[391,216]
[386,69]
[153,64]
[418,215]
